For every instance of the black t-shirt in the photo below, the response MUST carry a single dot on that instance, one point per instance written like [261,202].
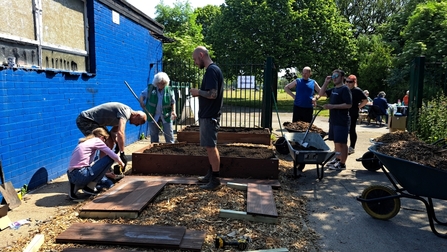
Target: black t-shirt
[357,97]
[213,79]
[339,95]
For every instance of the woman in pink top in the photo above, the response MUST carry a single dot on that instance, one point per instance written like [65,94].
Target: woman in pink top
[83,173]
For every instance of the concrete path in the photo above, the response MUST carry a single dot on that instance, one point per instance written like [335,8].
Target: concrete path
[335,214]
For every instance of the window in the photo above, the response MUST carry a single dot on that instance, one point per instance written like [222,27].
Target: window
[44,34]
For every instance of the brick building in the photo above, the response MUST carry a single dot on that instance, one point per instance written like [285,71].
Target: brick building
[59,57]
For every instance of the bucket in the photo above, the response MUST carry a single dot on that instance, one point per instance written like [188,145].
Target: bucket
[281,145]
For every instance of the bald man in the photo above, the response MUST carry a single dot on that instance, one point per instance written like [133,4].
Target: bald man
[210,108]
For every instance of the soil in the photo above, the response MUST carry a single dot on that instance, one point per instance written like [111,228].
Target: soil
[407,146]
[193,128]
[229,150]
[302,127]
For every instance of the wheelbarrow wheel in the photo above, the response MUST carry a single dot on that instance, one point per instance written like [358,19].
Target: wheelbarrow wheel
[380,209]
[370,161]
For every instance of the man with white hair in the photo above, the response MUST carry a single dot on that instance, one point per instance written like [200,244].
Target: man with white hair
[112,114]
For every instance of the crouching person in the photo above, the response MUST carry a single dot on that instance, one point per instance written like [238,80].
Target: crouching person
[85,174]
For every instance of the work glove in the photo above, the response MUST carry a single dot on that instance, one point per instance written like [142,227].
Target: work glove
[117,148]
[124,159]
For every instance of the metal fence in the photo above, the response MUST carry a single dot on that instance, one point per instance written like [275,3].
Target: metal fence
[247,93]
[427,80]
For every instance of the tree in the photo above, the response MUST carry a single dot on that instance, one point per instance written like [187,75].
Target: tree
[297,34]
[180,24]
[419,29]
[375,60]
[205,18]
[367,15]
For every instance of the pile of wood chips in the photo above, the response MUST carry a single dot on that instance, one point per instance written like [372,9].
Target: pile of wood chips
[187,205]
[407,146]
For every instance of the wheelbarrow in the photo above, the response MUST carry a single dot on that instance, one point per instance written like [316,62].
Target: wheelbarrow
[409,180]
[316,152]
[372,163]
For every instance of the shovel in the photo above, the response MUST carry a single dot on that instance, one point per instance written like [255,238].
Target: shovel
[8,191]
[305,144]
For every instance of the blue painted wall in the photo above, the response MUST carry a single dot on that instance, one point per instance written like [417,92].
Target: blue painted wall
[39,108]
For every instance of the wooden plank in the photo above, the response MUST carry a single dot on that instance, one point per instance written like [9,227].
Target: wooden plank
[131,198]
[10,195]
[226,135]
[260,200]
[193,240]
[35,243]
[122,234]
[151,163]
[223,213]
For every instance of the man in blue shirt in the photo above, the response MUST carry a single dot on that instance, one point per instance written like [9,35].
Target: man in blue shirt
[304,100]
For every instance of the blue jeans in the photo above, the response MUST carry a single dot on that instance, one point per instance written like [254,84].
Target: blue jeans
[167,129]
[81,177]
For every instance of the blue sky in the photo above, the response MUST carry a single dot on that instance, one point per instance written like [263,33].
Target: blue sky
[148,6]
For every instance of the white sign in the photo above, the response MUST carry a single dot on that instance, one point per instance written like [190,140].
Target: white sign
[245,82]
[115,17]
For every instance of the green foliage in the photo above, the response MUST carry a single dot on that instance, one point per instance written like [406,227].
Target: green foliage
[180,24]
[393,34]
[426,32]
[375,60]
[297,34]
[206,17]
[433,119]
[367,15]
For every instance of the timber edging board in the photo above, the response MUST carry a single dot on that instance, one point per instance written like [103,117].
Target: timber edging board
[260,200]
[167,237]
[231,167]
[225,137]
[261,206]
[124,200]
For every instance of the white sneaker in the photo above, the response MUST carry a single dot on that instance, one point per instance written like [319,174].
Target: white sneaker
[338,167]
[351,150]
[332,162]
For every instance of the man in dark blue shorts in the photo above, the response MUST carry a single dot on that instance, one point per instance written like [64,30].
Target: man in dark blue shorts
[340,101]
[210,105]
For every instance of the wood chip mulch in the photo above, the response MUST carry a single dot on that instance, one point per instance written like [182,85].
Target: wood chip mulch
[302,127]
[407,146]
[187,205]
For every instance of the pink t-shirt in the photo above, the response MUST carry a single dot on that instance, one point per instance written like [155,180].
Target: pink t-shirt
[84,153]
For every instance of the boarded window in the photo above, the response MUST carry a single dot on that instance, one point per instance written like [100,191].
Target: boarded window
[44,34]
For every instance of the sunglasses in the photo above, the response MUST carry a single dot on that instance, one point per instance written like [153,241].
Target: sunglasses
[335,76]
[349,81]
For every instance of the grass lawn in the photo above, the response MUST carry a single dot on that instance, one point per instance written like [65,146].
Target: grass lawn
[249,98]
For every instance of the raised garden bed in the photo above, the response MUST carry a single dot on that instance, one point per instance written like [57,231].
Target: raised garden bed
[237,160]
[190,134]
